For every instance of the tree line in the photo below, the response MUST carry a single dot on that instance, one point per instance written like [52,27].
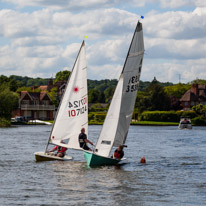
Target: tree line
[150,97]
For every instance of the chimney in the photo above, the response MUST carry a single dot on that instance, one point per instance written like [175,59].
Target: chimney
[195,89]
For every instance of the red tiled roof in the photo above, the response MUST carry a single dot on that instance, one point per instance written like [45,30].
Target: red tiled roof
[44,87]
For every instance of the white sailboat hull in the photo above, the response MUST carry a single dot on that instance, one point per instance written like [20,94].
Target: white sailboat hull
[42,156]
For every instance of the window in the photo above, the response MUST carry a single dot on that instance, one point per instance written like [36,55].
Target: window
[25,101]
[36,102]
[45,102]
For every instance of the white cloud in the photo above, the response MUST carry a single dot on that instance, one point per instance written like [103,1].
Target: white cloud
[38,43]
[66,4]
[174,40]
[106,71]
[170,71]
[177,25]
[181,3]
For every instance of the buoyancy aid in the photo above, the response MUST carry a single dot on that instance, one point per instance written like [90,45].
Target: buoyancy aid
[118,154]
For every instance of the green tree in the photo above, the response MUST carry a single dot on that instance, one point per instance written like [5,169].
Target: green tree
[28,89]
[62,75]
[198,81]
[177,90]
[11,83]
[8,101]
[154,98]
[96,96]
[54,96]
[109,93]
[200,109]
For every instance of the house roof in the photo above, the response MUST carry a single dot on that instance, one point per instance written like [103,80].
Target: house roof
[44,95]
[189,96]
[35,95]
[196,93]
[44,87]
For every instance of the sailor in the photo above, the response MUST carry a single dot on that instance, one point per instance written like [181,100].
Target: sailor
[119,153]
[61,151]
[83,140]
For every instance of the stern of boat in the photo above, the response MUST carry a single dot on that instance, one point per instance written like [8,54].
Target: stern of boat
[97,160]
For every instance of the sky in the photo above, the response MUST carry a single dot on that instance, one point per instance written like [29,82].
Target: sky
[40,38]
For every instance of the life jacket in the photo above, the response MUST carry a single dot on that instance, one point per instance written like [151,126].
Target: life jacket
[118,154]
[61,149]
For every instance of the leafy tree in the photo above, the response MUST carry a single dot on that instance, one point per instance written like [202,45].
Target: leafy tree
[198,81]
[28,89]
[200,109]
[177,90]
[96,96]
[143,101]
[154,98]
[159,99]
[54,96]
[62,75]
[11,83]
[8,101]
[109,93]
[28,81]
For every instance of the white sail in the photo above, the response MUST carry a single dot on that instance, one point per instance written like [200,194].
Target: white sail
[73,110]
[116,125]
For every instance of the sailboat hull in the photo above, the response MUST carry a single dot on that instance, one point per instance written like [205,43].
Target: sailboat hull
[97,160]
[42,156]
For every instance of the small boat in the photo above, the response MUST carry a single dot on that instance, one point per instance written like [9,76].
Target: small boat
[42,156]
[116,125]
[72,113]
[36,121]
[185,123]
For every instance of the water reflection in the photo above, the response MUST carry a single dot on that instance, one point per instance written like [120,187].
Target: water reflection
[173,175]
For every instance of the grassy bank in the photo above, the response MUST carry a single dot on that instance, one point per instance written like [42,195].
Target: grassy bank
[4,122]
[151,123]
[146,123]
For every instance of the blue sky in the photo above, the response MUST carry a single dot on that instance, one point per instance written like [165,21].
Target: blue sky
[40,38]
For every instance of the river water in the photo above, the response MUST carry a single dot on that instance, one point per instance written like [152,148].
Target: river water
[175,172]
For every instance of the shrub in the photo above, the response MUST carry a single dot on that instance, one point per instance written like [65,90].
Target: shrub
[100,116]
[199,121]
[91,116]
[191,114]
[160,116]
[4,122]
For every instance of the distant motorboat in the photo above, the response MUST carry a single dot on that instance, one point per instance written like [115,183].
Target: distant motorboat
[36,121]
[185,123]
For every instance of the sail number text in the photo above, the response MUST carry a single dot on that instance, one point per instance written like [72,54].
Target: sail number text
[77,108]
[133,84]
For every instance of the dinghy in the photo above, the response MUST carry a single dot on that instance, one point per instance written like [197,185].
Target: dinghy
[115,128]
[72,114]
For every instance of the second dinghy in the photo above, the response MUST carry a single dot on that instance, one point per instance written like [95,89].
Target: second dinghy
[72,113]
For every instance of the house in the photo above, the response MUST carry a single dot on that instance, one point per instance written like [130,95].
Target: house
[194,96]
[60,85]
[35,105]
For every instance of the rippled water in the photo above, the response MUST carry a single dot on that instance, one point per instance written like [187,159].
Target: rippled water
[175,172]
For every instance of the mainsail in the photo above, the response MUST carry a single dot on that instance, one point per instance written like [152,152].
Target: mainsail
[72,114]
[115,129]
